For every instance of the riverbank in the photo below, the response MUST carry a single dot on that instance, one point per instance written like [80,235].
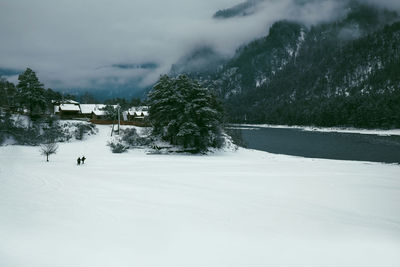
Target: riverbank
[381,132]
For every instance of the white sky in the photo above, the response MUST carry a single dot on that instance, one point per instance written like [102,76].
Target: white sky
[73,43]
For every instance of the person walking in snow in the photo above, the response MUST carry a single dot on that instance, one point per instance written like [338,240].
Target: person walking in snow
[78,161]
[83,159]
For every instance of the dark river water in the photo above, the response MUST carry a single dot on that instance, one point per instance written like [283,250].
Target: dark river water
[344,146]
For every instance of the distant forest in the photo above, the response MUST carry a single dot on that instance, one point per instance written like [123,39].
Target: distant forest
[357,84]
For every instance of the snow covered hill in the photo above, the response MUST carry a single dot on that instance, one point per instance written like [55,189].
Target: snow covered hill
[244,208]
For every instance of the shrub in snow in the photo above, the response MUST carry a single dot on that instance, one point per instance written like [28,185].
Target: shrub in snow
[5,124]
[84,128]
[24,131]
[26,136]
[117,147]
[185,114]
[54,132]
[132,138]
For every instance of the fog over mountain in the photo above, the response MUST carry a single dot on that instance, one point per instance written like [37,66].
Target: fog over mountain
[115,44]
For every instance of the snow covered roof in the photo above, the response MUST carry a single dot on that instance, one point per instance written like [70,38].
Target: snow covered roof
[65,101]
[85,109]
[97,109]
[89,108]
[139,111]
[69,107]
[99,112]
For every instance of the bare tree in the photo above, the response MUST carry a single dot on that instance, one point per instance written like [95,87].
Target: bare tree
[48,149]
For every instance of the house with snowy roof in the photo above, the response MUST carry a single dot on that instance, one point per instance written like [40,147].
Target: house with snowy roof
[94,111]
[139,113]
[67,109]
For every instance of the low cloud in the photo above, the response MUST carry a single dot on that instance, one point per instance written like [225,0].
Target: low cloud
[388,4]
[100,43]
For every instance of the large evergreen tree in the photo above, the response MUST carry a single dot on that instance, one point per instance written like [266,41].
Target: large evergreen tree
[7,94]
[31,92]
[184,113]
[111,112]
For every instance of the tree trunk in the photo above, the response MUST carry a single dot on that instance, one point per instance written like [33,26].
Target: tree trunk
[47,157]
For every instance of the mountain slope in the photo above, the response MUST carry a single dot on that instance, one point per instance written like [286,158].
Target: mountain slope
[340,73]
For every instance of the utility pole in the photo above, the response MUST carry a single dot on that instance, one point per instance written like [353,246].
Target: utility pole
[119,118]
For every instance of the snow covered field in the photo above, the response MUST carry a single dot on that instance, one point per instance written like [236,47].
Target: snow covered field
[244,208]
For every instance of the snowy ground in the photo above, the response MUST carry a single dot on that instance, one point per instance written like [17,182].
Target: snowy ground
[243,208]
[322,129]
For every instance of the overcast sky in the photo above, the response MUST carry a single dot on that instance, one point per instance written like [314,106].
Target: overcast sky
[75,43]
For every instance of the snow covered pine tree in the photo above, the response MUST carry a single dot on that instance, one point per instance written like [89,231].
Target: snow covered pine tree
[31,93]
[185,114]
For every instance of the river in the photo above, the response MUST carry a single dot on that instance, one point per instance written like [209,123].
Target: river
[328,145]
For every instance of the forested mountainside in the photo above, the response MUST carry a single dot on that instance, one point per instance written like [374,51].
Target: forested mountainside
[343,73]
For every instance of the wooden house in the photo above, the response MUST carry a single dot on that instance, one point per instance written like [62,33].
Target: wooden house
[68,111]
[137,113]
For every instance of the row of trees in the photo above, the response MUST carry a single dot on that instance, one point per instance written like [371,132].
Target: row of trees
[29,94]
[364,111]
